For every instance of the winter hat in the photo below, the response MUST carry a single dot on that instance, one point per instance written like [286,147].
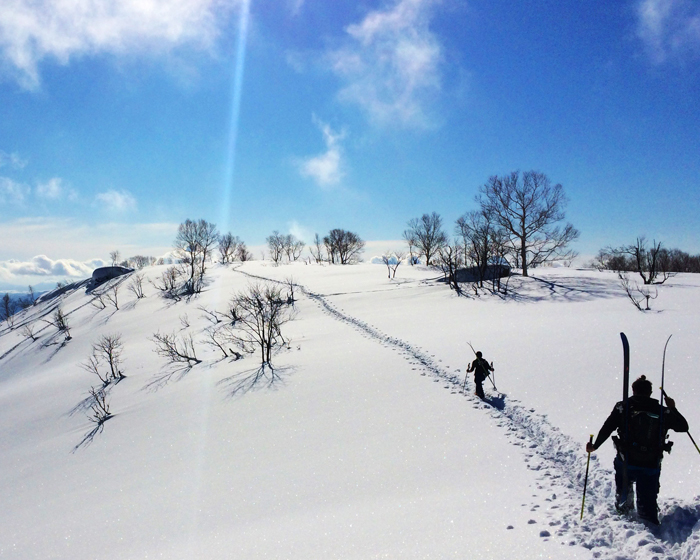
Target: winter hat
[642,387]
[478,354]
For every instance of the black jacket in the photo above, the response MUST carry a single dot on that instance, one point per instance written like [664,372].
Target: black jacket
[643,454]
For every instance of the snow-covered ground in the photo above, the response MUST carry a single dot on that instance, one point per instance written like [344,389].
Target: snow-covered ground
[365,445]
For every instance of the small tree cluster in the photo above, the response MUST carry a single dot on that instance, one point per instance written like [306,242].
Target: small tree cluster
[281,247]
[425,235]
[194,244]
[232,249]
[343,247]
[653,263]
[168,283]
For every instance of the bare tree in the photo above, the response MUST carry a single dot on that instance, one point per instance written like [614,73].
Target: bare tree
[637,294]
[482,241]
[8,308]
[259,313]
[317,249]
[648,262]
[60,320]
[167,284]
[293,247]
[106,359]
[410,239]
[392,260]
[343,247]
[243,254]
[275,246]
[427,235]
[193,245]
[111,294]
[449,259]
[528,207]
[176,349]
[229,247]
[114,256]
[136,286]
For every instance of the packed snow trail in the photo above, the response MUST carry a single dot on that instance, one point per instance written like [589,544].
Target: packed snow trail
[560,462]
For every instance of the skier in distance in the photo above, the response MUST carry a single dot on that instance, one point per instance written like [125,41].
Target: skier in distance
[481,369]
[646,442]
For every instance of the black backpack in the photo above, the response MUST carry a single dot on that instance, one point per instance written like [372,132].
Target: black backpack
[644,436]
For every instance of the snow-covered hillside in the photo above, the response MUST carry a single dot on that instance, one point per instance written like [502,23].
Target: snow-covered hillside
[364,445]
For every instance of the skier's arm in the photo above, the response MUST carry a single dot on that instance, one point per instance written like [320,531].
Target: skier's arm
[610,425]
[673,419]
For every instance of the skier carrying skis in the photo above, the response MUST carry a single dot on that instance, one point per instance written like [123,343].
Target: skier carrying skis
[643,448]
[481,369]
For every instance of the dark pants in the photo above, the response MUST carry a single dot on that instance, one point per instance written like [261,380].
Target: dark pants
[478,381]
[647,485]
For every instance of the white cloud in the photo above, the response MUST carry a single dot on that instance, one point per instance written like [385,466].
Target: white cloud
[326,168]
[41,265]
[34,30]
[669,29]
[25,237]
[116,200]
[13,160]
[12,191]
[54,189]
[300,232]
[391,64]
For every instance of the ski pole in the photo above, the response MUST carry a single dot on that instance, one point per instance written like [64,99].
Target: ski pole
[464,386]
[585,480]
[691,439]
[688,432]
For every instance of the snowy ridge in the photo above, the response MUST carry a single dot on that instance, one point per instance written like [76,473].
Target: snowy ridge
[562,463]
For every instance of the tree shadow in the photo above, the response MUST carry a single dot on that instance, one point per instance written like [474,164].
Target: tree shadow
[164,377]
[262,377]
[532,289]
[90,436]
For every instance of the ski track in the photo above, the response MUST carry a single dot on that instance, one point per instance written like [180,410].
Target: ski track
[560,463]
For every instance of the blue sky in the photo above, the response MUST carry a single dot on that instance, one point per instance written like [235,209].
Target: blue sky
[120,119]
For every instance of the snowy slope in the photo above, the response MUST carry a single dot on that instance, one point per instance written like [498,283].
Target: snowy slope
[365,446]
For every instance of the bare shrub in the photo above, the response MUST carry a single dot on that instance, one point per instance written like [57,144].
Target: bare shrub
[60,321]
[185,321]
[167,284]
[211,316]
[176,349]
[258,314]
[218,338]
[99,409]
[136,286]
[29,331]
[638,294]
[106,359]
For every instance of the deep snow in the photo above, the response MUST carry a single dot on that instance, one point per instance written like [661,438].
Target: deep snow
[365,445]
